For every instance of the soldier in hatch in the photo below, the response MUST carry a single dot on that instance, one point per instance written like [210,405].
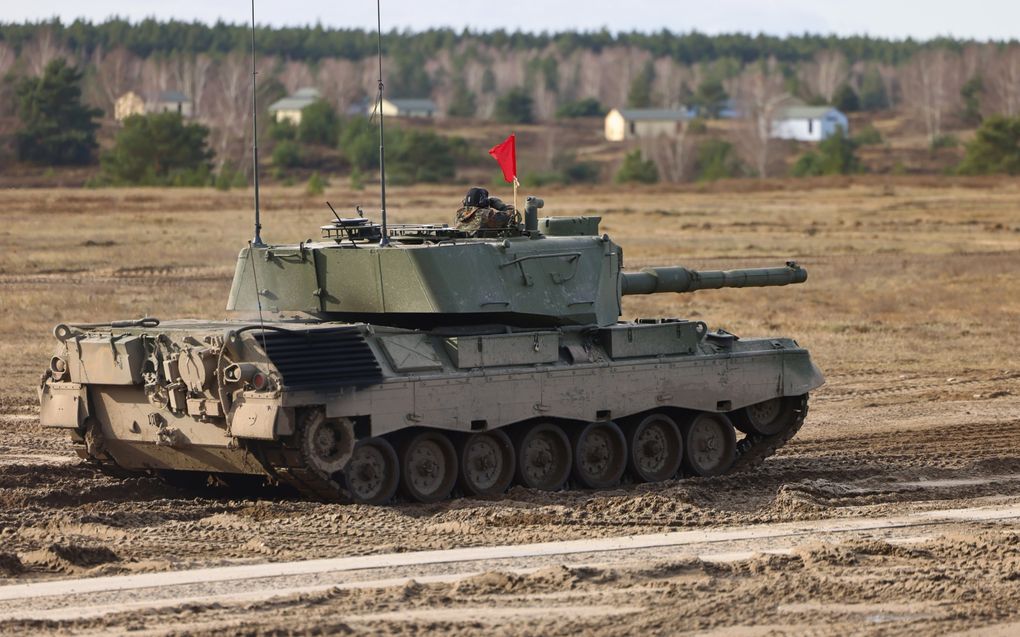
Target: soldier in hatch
[480,213]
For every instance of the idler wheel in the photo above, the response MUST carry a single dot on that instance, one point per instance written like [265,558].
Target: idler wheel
[656,448]
[543,457]
[709,445]
[767,418]
[600,455]
[326,443]
[373,473]
[486,463]
[428,466]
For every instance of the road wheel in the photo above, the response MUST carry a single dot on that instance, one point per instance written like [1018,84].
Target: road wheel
[326,444]
[709,445]
[656,448]
[767,418]
[428,466]
[486,463]
[543,457]
[600,455]
[372,474]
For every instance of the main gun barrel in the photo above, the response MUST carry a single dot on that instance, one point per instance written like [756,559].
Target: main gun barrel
[678,279]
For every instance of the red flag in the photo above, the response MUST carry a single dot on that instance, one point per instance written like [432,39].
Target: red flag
[505,153]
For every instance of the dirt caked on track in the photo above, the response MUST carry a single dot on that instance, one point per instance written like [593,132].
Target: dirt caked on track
[894,511]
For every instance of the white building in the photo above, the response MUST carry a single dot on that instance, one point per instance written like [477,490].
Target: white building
[633,123]
[289,108]
[396,107]
[809,123]
[408,107]
[170,102]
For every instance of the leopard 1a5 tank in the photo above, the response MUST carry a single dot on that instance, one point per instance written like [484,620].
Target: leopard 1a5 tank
[436,362]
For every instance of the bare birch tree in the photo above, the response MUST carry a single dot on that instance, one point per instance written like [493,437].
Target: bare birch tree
[191,75]
[931,88]
[229,117]
[340,82]
[1003,81]
[40,51]
[759,93]
[826,73]
[672,155]
[296,75]
[116,73]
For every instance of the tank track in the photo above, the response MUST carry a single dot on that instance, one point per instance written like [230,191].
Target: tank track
[752,450]
[288,465]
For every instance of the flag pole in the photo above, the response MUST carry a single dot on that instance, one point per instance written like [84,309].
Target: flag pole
[516,183]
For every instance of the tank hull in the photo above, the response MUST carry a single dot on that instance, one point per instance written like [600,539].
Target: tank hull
[235,397]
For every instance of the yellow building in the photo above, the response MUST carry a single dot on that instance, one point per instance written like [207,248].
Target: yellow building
[289,108]
[634,123]
[128,104]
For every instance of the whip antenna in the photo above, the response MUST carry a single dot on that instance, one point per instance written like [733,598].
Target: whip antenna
[382,147]
[257,241]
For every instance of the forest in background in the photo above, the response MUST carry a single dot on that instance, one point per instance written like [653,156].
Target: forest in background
[936,86]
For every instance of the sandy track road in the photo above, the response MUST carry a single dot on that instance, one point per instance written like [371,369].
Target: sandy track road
[237,591]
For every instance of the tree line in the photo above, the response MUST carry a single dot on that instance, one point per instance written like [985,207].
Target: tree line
[316,42]
[516,77]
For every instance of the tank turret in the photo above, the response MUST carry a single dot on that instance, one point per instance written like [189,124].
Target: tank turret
[548,272]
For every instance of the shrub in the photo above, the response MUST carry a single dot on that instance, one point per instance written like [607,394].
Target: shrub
[587,107]
[463,102]
[944,141]
[697,126]
[635,169]
[515,107]
[566,169]
[319,124]
[229,177]
[157,150]
[716,159]
[995,148]
[287,154]
[357,179]
[846,99]
[868,137]
[280,130]
[411,155]
[359,142]
[421,156]
[316,185]
[836,155]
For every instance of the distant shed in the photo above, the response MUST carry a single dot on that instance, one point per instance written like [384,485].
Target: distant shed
[632,123]
[289,108]
[809,123]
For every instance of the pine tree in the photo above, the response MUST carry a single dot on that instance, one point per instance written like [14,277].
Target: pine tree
[57,128]
[640,94]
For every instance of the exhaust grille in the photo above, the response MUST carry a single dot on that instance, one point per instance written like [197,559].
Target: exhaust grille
[321,359]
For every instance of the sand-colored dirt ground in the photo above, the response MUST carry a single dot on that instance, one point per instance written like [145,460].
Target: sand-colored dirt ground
[912,310]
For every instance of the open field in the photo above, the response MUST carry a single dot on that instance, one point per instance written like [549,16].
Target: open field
[912,310]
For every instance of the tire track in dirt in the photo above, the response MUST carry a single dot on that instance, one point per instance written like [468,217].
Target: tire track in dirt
[66,599]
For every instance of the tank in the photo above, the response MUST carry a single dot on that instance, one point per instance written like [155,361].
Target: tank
[433,364]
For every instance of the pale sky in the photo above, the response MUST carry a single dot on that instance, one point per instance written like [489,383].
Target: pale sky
[922,19]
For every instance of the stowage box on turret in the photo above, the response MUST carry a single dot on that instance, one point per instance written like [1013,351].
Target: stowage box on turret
[444,362]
